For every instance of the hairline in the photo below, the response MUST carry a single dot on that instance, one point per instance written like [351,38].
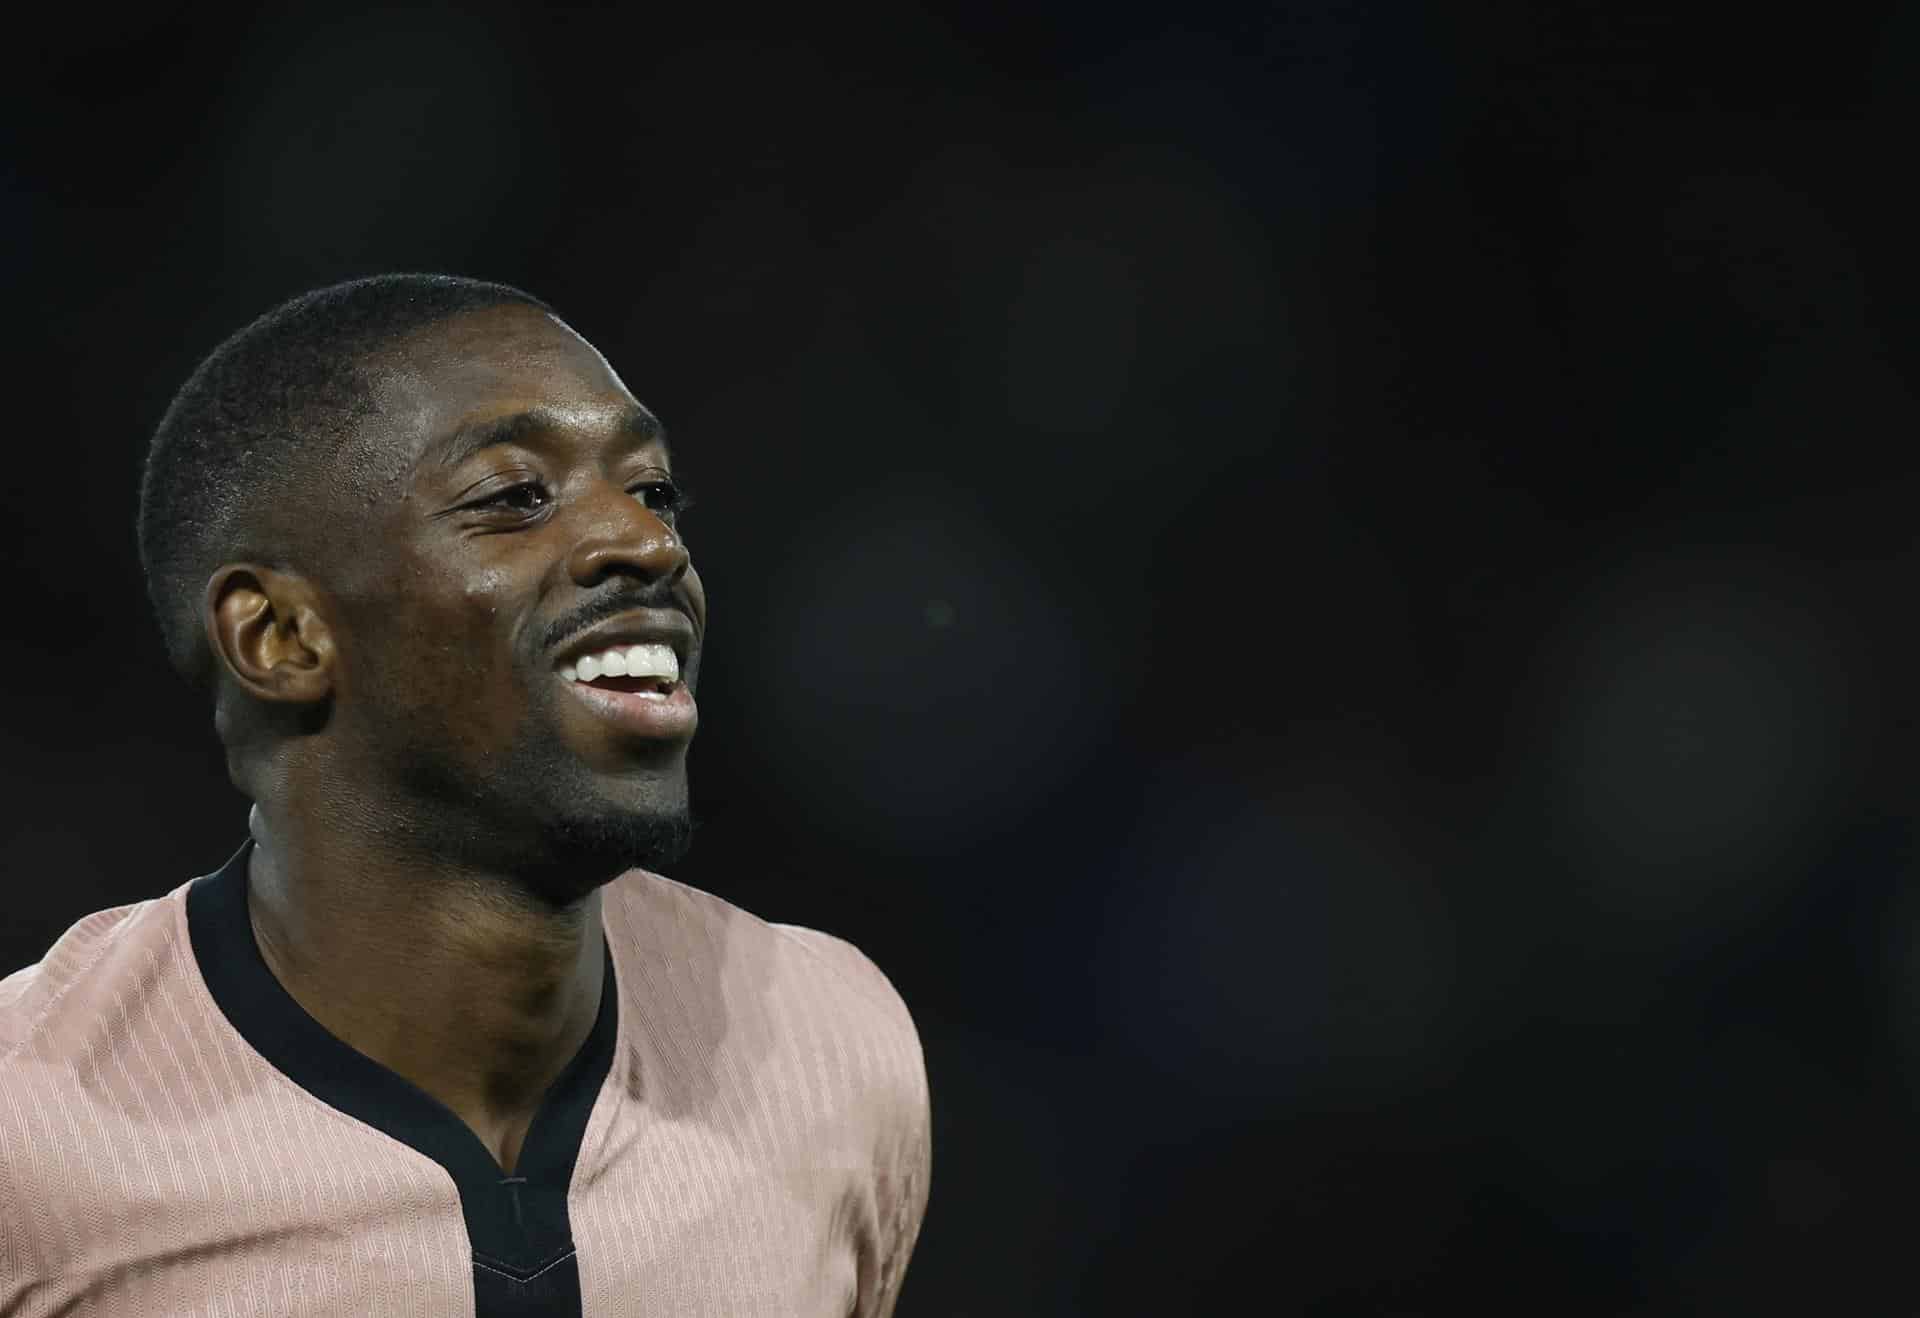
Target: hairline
[251,534]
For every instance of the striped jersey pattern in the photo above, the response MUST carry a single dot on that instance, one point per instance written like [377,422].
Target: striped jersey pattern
[757,1142]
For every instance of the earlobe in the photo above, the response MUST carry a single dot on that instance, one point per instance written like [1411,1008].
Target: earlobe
[265,631]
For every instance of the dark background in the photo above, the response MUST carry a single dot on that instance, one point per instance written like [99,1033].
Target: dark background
[1325,589]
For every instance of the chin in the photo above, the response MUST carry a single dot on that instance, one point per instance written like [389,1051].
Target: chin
[608,842]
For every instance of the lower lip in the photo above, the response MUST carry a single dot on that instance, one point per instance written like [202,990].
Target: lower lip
[668,717]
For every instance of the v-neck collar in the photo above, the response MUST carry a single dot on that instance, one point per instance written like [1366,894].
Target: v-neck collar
[518,1222]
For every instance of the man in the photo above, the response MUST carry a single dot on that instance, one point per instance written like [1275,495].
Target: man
[436,1041]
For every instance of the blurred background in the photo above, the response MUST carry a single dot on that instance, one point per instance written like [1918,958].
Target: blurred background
[1325,587]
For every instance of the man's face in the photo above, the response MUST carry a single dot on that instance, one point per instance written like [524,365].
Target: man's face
[521,549]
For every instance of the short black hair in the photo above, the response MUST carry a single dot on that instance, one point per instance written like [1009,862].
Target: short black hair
[271,403]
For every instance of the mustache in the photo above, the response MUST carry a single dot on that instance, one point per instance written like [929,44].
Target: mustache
[602,607]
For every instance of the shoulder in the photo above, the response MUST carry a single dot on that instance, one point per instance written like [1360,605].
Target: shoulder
[66,1031]
[53,1006]
[845,972]
[791,982]
[798,1026]
[854,997]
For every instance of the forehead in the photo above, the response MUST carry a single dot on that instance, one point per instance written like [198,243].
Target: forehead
[480,365]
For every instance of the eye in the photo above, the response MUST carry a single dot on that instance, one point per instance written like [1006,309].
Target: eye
[665,497]
[525,498]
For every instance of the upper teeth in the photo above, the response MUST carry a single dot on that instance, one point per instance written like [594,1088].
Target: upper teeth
[625,661]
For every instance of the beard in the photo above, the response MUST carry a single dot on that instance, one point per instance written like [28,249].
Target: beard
[611,842]
[563,859]
[559,856]
[512,801]
[553,831]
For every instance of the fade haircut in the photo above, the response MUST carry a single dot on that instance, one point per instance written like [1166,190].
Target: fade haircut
[262,415]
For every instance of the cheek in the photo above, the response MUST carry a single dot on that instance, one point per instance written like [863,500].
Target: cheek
[478,624]
[437,639]
[483,605]
[697,596]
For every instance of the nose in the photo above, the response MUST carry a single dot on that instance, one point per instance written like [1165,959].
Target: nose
[622,536]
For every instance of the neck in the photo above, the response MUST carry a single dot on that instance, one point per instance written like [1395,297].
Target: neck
[460,981]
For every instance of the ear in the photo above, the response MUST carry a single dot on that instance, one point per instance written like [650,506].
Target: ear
[266,630]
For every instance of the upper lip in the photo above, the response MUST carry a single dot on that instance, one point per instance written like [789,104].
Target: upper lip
[668,627]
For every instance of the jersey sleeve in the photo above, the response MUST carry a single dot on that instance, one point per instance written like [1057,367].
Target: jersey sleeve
[903,1136]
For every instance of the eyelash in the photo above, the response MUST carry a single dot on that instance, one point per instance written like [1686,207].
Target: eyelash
[677,500]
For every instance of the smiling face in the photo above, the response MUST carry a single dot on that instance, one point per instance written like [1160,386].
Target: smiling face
[504,551]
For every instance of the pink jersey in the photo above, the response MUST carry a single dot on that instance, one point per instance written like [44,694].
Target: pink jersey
[745,1132]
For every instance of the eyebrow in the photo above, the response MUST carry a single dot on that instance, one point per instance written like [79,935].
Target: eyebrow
[467,440]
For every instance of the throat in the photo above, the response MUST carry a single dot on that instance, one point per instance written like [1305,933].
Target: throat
[503,1139]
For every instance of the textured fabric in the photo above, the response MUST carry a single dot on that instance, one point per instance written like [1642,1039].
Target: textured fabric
[518,1226]
[758,1147]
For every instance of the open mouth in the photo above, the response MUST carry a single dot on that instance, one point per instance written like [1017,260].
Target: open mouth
[643,670]
[635,688]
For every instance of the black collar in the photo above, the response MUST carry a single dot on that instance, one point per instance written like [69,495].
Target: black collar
[511,1220]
